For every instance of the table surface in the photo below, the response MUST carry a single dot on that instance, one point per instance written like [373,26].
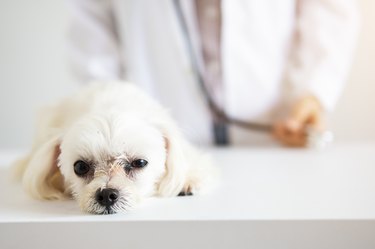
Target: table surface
[337,183]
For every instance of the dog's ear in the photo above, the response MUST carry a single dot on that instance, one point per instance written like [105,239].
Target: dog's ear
[42,177]
[173,181]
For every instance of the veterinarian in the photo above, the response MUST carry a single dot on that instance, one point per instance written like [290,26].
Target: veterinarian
[276,63]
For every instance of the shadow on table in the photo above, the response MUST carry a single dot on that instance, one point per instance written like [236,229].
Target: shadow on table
[14,200]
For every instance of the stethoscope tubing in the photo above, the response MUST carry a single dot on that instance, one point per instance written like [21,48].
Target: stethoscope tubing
[218,112]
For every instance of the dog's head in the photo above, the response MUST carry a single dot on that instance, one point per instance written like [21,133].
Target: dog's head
[110,161]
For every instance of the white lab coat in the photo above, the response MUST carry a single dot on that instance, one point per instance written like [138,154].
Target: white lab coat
[271,51]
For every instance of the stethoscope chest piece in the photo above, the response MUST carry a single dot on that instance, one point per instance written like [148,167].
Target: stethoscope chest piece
[319,139]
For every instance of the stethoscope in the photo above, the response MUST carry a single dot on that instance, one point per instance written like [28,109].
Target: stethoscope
[316,139]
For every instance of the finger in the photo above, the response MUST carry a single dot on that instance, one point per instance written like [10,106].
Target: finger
[292,125]
[301,114]
[294,139]
[307,111]
[315,120]
[312,120]
[298,120]
[298,139]
[289,137]
[280,131]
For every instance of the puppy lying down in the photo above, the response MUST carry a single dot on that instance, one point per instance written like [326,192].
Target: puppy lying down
[108,147]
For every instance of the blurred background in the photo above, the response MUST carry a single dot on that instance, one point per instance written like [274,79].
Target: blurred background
[34,71]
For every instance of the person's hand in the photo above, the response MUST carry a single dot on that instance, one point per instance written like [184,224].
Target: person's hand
[307,112]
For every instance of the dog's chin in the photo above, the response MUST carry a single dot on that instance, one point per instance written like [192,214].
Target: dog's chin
[108,210]
[121,206]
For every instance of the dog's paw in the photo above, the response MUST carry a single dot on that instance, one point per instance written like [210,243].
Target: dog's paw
[186,192]
[192,187]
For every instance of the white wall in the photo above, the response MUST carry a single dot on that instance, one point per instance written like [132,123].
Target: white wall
[33,71]
[33,67]
[354,118]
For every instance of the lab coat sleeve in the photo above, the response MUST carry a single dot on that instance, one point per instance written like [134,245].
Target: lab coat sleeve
[93,43]
[326,34]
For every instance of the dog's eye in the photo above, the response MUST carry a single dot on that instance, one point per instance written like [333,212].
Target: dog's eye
[81,168]
[139,163]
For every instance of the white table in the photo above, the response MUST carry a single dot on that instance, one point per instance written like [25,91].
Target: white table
[268,198]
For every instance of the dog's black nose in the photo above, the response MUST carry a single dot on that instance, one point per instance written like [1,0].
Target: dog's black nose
[107,196]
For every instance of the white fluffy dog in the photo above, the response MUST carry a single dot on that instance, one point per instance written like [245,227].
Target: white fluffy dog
[109,146]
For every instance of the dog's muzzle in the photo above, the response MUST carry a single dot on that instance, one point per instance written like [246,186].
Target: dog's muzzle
[107,197]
